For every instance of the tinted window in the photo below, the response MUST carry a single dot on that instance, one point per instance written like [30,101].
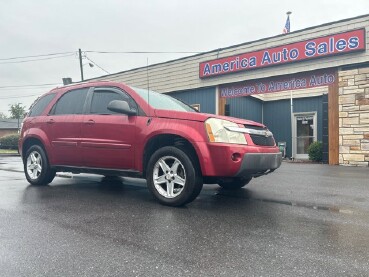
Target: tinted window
[101,99]
[71,102]
[41,104]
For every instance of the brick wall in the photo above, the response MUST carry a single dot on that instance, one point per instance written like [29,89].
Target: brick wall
[354,117]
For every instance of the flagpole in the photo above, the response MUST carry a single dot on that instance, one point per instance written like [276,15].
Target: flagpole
[291,100]
[287,27]
[288,14]
[292,129]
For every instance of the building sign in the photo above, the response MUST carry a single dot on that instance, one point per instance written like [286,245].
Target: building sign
[341,43]
[276,84]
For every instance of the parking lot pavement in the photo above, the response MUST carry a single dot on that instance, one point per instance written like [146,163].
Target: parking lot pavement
[11,163]
[316,186]
[304,219]
[312,185]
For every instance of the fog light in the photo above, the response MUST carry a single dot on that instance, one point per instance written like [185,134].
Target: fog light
[236,157]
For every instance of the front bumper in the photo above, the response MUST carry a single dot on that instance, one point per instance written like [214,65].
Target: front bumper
[256,164]
[226,160]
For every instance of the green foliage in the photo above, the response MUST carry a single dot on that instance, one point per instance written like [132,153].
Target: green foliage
[315,151]
[17,110]
[3,116]
[9,141]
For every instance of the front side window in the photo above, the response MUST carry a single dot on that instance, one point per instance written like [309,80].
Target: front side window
[71,102]
[41,104]
[102,97]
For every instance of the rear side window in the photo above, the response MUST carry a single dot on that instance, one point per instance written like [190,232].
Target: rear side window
[71,102]
[41,104]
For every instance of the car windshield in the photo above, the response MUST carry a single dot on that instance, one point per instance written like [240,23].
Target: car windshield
[163,101]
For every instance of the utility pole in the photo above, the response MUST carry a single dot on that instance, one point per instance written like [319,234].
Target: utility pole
[80,63]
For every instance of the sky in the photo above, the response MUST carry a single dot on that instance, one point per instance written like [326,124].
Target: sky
[179,28]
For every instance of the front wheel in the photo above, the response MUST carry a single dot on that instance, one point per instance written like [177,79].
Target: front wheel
[172,177]
[234,183]
[37,168]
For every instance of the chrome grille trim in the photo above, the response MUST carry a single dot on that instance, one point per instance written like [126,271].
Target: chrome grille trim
[264,133]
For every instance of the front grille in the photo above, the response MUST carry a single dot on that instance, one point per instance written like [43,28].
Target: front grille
[258,139]
[261,140]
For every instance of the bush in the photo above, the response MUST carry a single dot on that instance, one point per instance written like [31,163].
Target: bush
[9,141]
[315,151]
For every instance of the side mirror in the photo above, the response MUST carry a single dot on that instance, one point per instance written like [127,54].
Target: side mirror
[121,106]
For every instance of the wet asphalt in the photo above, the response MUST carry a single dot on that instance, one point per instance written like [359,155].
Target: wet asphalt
[302,220]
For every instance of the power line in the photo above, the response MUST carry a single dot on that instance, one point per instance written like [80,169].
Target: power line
[142,52]
[26,89]
[14,60]
[35,56]
[100,52]
[97,65]
[23,87]
[19,96]
[34,85]
[42,59]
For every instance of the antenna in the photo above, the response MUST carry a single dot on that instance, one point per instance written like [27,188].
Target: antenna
[148,84]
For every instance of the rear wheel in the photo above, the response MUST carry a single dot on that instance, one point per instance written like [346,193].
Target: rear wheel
[37,168]
[172,177]
[234,183]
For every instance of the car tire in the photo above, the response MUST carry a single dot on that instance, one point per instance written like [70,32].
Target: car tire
[173,177]
[36,167]
[234,183]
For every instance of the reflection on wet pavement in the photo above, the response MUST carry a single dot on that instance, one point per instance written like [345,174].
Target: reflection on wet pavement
[93,226]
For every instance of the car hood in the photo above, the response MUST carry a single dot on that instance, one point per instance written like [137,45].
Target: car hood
[195,116]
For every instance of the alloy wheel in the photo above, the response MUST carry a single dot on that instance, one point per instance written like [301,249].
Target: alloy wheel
[169,176]
[34,165]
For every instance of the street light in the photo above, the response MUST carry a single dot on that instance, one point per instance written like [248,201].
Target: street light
[91,64]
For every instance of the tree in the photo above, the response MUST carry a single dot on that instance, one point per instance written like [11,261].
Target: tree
[17,111]
[3,116]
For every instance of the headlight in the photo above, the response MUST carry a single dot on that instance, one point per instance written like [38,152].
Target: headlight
[217,133]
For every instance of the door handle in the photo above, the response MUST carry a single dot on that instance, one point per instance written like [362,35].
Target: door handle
[89,122]
[50,121]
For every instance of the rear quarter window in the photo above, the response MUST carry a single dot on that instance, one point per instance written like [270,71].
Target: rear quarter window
[41,104]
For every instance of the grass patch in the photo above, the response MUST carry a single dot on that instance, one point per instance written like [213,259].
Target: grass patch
[8,151]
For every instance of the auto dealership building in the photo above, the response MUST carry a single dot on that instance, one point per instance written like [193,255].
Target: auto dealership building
[308,85]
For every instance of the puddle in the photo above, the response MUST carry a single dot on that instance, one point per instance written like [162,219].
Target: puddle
[294,204]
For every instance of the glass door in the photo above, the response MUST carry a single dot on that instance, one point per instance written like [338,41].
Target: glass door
[305,133]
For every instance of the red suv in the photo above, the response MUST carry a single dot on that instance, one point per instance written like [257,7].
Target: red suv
[112,129]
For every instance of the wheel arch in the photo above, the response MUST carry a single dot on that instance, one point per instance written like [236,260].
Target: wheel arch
[32,140]
[162,140]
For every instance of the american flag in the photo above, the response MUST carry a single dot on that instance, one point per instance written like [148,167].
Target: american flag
[286,28]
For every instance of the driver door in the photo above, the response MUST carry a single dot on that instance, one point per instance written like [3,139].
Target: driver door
[107,138]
